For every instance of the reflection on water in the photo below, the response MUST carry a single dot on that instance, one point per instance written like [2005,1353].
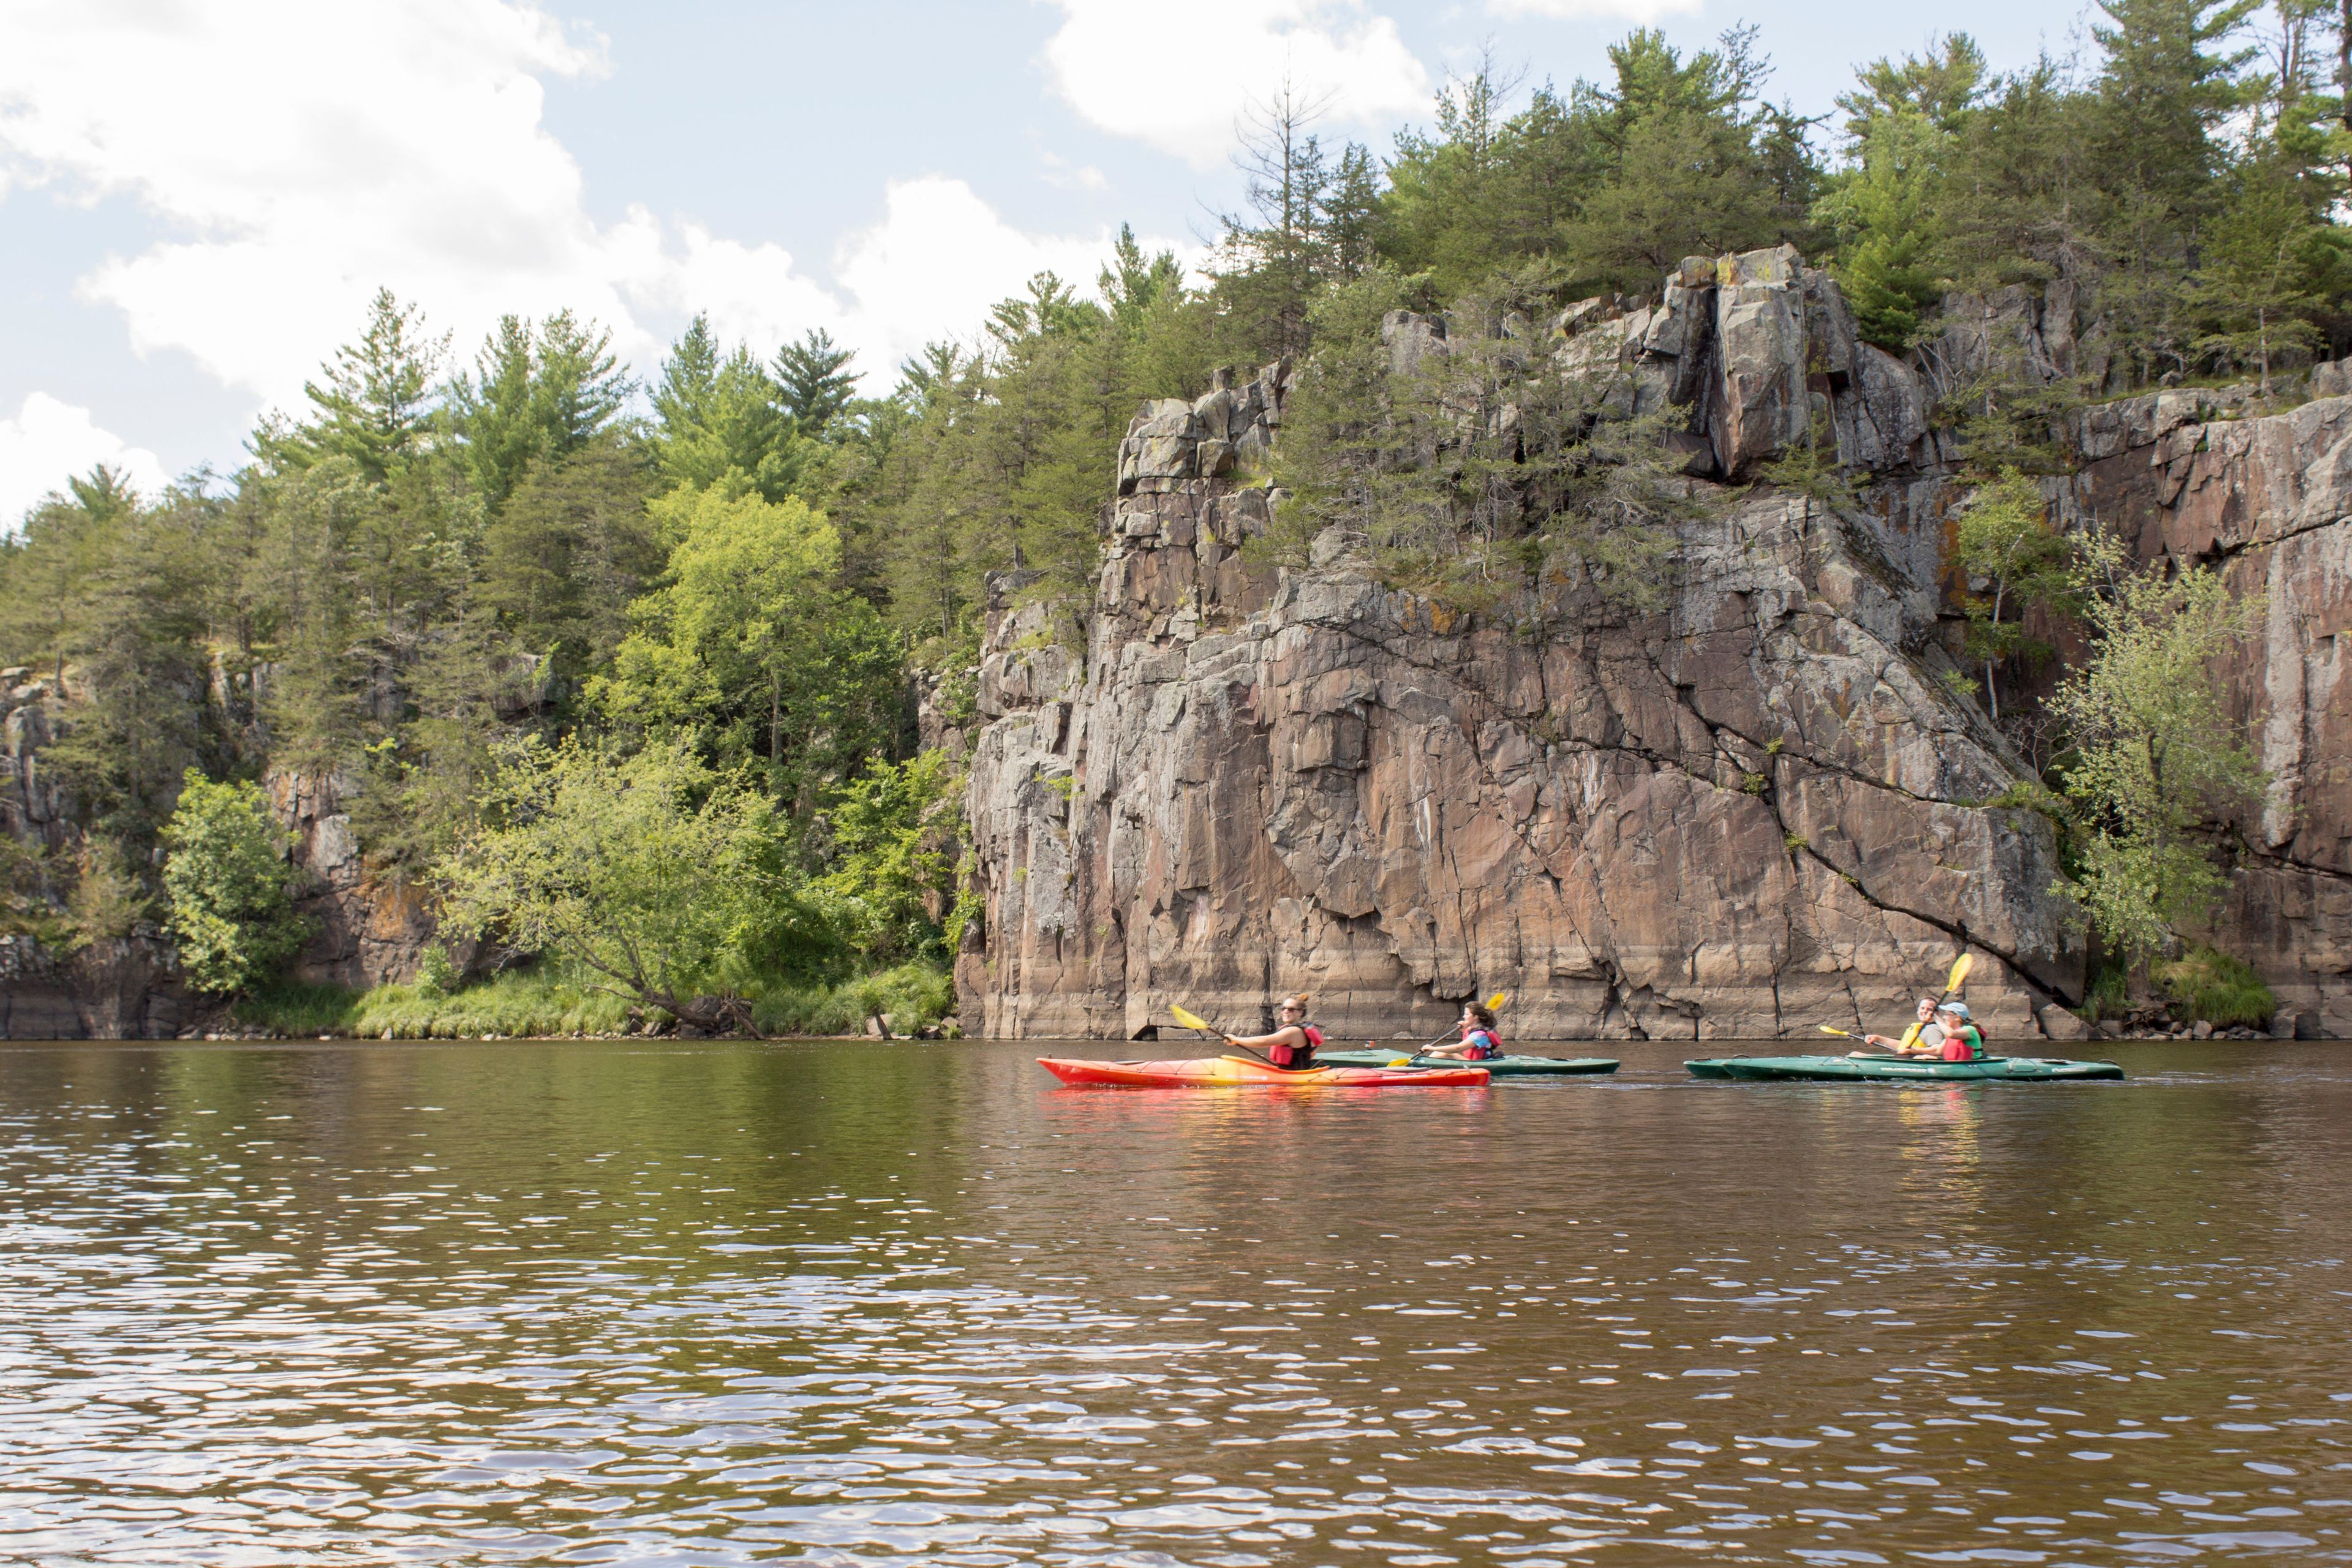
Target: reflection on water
[727,1303]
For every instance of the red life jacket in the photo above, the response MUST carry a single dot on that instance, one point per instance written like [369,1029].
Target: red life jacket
[1283,1054]
[1481,1043]
[1967,1045]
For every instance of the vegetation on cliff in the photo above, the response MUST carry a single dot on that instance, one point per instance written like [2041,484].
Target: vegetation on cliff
[450,584]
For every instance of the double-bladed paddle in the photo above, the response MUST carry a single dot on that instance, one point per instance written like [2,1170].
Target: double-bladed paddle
[1493,1003]
[1192,1020]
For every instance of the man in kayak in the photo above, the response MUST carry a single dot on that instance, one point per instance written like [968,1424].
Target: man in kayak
[1479,1043]
[1925,1037]
[1294,1041]
[1962,1041]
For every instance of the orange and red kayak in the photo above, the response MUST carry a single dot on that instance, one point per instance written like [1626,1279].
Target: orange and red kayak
[1248,1072]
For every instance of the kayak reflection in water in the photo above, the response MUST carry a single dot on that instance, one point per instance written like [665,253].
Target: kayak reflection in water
[1294,1041]
[1479,1042]
[1924,1038]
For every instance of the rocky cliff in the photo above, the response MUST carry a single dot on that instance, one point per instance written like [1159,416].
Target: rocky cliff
[2270,501]
[1751,812]
[1758,810]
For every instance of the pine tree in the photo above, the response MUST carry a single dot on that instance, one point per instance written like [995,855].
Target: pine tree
[813,383]
[376,400]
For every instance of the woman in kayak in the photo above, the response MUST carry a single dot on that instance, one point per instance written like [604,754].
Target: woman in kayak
[1962,1040]
[1479,1043]
[1294,1041]
[1925,1037]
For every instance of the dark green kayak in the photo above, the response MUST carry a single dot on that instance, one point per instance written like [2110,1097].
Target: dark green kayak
[1500,1066]
[1891,1069]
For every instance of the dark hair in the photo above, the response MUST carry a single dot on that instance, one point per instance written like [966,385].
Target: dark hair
[1480,1013]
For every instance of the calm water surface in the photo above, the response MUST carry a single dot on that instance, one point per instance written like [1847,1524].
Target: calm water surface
[862,1304]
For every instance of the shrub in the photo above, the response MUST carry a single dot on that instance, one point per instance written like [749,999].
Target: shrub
[2224,991]
[225,878]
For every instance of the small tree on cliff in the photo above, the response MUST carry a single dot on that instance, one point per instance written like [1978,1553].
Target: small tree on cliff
[2006,542]
[660,874]
[2157,762]
[225,876]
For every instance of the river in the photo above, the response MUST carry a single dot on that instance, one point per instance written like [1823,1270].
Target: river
[726,1303]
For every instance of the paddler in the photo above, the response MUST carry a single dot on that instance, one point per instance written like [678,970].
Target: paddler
[1925,1037]
[1293,1044]
[1479,1042]
[1962,1040]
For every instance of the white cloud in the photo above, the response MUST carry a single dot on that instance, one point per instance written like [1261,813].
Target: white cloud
[1179,79]
[297,156]
[51,441]
[1579,10]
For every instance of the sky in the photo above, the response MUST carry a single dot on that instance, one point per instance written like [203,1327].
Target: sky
[198,197]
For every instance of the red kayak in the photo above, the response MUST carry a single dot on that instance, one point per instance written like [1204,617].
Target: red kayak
[1248,1072]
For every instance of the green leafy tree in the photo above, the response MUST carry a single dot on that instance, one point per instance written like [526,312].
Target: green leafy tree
[225,874]
[750,643]
[2005,540]
[898,839]
[2156,763]
[659,875]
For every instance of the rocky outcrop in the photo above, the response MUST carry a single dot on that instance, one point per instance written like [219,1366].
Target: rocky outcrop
[34,807]
[124,988]
[2268,501]
[366,929]
[1753,813]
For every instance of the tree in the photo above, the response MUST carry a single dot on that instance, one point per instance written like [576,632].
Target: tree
[2006,541]
[535,397]
[2156,761]
[655,872]
[375,399]
[749,644]
[225,874]
[898,836]
[813,383]
[721,420]
[1487,476]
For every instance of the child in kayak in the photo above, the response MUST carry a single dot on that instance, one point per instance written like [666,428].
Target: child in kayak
[1925,1037]
[1962,1040]
[1479,1042]
[1294,1041]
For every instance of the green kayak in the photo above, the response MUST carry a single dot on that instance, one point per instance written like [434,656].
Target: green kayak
[1892,1069]
[1498,1066]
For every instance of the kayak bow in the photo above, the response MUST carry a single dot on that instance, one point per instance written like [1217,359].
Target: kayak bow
[1246,1072]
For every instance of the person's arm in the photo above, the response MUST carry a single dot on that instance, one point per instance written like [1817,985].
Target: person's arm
[1288,1035]
[1455,1050]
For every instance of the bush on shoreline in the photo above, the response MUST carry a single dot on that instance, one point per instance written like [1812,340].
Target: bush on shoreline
[545,1002]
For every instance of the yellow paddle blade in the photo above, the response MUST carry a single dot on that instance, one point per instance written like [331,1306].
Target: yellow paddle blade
[1189,1019]
[1828,1030]
[1960,967]
[1496,1000]
[1400,1061]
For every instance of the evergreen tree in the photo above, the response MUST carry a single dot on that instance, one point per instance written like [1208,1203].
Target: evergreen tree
[721,419]
[376,400]
[813,383]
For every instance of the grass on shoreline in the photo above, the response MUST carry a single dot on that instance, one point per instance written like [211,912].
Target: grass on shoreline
[545,1001]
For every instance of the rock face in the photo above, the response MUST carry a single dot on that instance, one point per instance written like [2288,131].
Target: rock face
[34,808]
[365,929]
[1746,815]
[2268,501]
[122,989]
